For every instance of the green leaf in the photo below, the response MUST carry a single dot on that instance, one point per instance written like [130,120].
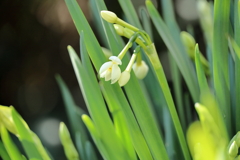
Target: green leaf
[25,136]
[98,22]
[69,148]
[237,61]
[93,47]
[109,30]
[178,52]
[80,144]
[97,109]
[139,104]
[220,58]
[3,152]
[146,22]
[130,12]
[96,137]
[119,121]
[74,114]
[40,147]
[177,88]
[91,155]
[206,95]
[200,73]
[98,59]
[71,108]
[9,145]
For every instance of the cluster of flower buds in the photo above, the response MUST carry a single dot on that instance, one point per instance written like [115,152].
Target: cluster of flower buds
[110,70]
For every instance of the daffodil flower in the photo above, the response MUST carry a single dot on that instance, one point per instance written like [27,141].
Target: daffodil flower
[110,70]
[140,69]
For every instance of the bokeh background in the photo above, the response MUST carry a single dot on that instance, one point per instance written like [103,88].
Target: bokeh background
[34,35]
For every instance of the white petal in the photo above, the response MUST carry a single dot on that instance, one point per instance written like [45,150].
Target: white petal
[140,70]
[103,74]
[105,66]
[108,75]
[125,76]
[115,60]
[116,73]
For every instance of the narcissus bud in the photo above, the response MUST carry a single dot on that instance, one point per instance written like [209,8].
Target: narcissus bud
[140,70]
[125,76]
[109,16]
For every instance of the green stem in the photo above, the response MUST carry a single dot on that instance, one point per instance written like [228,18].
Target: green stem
[139,59]
[152,55]
[128,45]
[125,24]
[125,49]
[130,64]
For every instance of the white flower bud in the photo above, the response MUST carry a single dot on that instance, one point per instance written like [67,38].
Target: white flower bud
[125,76]
[140,70]
[109,16]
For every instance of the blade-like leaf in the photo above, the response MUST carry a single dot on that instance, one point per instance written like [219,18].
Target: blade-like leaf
[200,72]
[98,59]
[97,109]
[237,61]
[25,136]
[178,53]
[3,152]
[12,150]
[220,58]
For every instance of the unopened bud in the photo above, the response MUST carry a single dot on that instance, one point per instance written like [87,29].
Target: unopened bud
[109,16]
[140,70]
[119,29]
[125,76]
